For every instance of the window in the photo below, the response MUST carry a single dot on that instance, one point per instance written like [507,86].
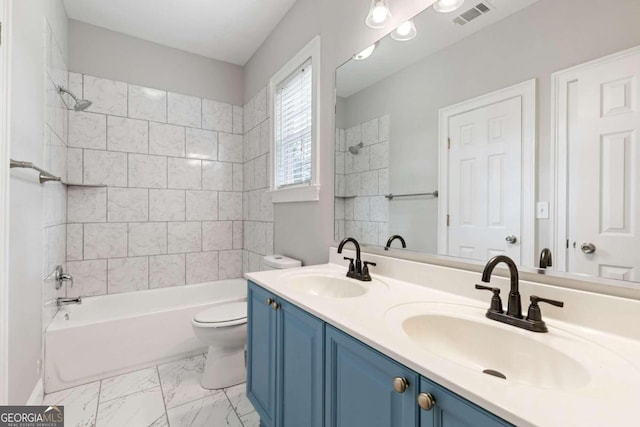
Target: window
[292,126]
[294,96]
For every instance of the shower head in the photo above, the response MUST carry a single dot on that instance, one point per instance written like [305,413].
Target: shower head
[355,149]
[80,104]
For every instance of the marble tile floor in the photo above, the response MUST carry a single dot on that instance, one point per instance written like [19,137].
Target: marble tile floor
[162,396]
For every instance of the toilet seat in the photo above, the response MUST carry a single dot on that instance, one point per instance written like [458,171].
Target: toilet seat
[223,315]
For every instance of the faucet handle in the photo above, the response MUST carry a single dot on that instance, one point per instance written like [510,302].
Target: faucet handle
[352,267]
[496,302]
[534,312]
[66,277]
[365,269]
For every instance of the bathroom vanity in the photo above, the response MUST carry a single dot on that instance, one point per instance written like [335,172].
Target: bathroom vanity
[293,353]
[409,349]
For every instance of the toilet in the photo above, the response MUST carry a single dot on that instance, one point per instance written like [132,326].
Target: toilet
[224,329]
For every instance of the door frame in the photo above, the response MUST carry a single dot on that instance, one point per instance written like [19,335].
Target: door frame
[527,91]
[560,84]
[5,51]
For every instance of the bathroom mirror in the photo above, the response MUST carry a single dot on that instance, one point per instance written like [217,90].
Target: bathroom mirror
[503,127]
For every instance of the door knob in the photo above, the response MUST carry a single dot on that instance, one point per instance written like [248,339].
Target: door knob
[511,239]
[426,401]
[588,248]
[275,305]
[400,384]
[269,301]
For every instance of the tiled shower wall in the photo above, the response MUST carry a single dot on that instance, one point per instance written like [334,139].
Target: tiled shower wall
[55,161]
[362,180]
[257,206]
[171,213]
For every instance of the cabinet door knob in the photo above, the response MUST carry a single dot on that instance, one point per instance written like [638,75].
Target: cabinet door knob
[275,305]
[269,301]
[426,401]
[400,384]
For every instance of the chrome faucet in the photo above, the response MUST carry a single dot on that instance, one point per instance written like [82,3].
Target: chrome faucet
[68,301]
[513,316]
[392,238]
[359,270]
[545,258]
[60,277]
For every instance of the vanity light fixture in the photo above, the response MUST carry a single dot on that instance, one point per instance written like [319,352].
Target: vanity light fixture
[405,31]
[379,14]
[445,6]
[361,56]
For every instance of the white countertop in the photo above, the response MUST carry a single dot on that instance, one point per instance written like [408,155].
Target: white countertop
[609,398]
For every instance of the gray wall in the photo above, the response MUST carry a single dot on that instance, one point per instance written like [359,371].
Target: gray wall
[305,230]
[26,208]
[546,37]
[116,56]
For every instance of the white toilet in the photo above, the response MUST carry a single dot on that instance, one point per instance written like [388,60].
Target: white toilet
[224,329]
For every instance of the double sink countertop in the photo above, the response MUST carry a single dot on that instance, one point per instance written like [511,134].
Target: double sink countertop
[430,318]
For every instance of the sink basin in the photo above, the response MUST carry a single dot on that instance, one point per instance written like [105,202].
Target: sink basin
[463,335]
[329,285]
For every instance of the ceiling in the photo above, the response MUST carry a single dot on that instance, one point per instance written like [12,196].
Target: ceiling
[227,30]
[435,31]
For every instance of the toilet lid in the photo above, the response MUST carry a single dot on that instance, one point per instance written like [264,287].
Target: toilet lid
[229,314]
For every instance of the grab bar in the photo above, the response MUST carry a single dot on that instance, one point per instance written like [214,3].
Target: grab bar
[392,196]
[44,175]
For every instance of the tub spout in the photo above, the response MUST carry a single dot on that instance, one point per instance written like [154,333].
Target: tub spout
[67,301]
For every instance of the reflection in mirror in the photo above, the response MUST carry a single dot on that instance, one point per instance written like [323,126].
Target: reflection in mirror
[499,108]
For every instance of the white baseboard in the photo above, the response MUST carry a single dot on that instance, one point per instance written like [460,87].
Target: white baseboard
[37,395]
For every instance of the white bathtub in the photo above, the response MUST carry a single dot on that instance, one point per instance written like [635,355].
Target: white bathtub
[113,334]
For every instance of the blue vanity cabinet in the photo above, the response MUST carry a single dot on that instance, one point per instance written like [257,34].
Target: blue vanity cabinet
[451,410]
[360,386]
[261,353]
[302,372]
[285,347]
[300,358]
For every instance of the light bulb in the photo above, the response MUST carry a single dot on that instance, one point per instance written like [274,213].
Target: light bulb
[445,6]
[379,14]
[405,31]
[404,28]
[361,56]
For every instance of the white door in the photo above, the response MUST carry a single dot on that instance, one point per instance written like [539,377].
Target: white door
[604,167]
[485,181]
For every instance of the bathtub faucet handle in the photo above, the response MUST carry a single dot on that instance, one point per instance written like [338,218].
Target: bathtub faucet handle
[66,277]
[60,277]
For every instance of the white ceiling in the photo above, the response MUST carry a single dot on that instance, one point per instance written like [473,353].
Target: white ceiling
[435,31]
[227,30]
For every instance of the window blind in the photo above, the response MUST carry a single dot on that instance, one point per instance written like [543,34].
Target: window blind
[293,121]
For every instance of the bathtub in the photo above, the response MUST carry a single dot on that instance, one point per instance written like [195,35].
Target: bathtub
[113,334]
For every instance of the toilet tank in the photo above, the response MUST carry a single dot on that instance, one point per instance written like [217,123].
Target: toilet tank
[278,262]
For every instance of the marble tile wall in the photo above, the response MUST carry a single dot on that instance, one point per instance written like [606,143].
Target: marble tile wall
[55,161]
[257,206]
[361,181]
[172,211]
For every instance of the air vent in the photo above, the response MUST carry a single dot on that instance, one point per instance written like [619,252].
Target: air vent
[471,14]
